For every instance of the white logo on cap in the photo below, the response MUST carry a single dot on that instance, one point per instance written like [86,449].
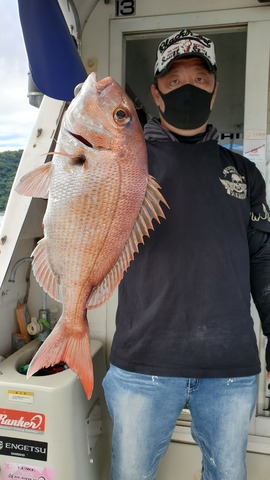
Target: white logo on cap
[184,43]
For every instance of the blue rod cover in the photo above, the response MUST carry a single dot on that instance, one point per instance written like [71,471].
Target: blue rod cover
[54,61]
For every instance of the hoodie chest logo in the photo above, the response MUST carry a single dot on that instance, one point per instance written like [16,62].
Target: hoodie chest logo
[234,183]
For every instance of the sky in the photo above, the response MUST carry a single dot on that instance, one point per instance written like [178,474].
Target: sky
[17,116]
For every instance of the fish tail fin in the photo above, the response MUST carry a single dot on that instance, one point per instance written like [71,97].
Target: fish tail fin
[73,349]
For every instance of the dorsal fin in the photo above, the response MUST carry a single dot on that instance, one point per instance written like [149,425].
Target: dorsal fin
[150,210]
[36,183]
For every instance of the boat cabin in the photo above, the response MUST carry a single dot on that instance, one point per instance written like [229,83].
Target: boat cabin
[46,423]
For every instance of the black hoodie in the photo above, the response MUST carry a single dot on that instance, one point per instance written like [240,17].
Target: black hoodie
[184,303]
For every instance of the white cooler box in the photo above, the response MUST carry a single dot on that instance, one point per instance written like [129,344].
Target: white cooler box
[48,428]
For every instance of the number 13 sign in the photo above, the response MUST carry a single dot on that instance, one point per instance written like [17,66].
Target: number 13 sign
[125,7]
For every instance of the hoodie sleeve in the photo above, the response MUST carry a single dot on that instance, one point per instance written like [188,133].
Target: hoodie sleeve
[259,247]
[259,210]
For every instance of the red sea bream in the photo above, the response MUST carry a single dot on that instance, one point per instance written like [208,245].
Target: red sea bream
[101,202]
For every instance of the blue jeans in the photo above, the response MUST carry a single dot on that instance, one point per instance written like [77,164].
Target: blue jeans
[145,409]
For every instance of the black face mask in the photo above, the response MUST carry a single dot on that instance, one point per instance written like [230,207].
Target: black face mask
[186,107]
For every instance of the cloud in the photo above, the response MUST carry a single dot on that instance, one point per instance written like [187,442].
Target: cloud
[17,117]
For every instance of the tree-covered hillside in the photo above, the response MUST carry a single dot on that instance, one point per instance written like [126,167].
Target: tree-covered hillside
[9,162]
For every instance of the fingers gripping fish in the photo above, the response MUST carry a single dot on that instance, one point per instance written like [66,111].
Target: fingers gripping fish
[101,202]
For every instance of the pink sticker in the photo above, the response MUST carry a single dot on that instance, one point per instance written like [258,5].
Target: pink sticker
[16,471]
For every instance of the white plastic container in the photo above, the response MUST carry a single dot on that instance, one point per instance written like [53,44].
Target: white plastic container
[48,428]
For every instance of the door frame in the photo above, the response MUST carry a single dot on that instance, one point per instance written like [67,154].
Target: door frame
[256,129]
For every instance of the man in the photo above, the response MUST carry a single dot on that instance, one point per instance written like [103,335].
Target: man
[184,334]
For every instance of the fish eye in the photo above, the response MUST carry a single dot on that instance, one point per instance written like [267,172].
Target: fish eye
[121,116]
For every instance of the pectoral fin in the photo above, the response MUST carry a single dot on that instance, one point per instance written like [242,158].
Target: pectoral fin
[36,183]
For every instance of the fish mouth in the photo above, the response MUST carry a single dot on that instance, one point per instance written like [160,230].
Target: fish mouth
[81,139]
